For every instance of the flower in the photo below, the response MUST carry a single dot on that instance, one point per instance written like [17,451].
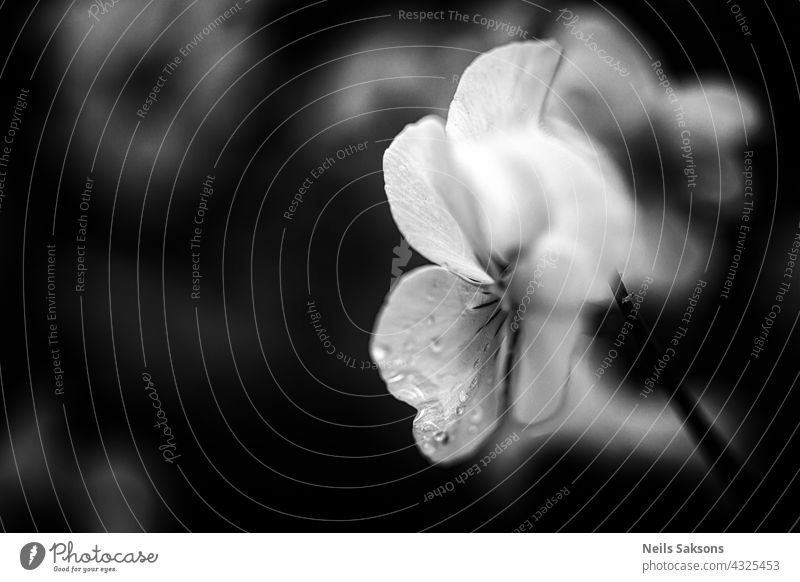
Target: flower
[525,219]
[678,142]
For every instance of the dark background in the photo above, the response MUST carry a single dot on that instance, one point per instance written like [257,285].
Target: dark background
[273,433]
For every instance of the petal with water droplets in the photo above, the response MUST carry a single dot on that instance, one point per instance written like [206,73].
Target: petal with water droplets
[436,343]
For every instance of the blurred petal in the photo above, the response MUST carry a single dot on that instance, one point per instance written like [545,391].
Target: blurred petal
[545,347]
[507,206]
[549,290]
[587,224]
[668,248]
[416,171]
[503,88]
[605,73]
[533,184]
[436,344]
[716,109]
[720,121]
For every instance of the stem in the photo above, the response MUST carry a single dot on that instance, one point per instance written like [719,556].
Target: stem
[712,445]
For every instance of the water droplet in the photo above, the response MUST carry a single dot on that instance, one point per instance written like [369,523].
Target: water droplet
[379,352]
[395,378]
[474,383]
[459,410]
[476,364]
[436,345]
[485,347]
[442,437]
[429,419]
[476,415]
[409,394]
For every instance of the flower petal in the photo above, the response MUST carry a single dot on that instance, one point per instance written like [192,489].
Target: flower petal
[544,351]
[507,205]
[720,120]
[605,73]
[548,291]
[416,171]
[436,344]
[717,110]
[504,87]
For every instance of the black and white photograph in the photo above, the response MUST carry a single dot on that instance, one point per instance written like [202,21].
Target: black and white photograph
[430,268]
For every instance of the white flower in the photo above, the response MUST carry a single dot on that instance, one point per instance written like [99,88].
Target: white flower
[527,220]
[677,139]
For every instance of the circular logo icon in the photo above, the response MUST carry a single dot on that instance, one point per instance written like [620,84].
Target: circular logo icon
[31,555]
